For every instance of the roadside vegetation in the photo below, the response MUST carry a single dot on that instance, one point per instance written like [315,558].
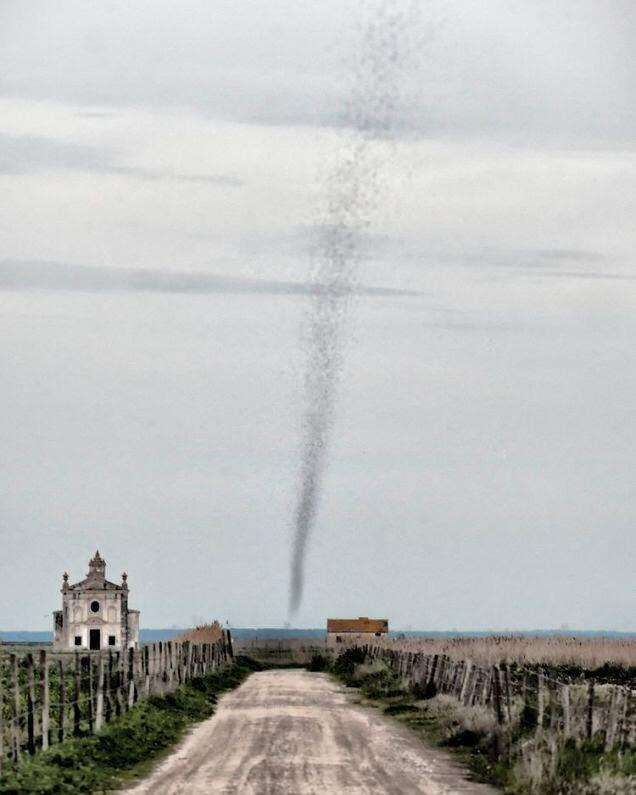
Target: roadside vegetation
[564,651]
[127,747]
[518,764]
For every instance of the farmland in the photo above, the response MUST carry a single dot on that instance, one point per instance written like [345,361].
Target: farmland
[551,714]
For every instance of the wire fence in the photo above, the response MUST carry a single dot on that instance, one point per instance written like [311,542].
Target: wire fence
[45,699]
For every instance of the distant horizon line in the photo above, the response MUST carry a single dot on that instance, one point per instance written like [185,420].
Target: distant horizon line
[410,630]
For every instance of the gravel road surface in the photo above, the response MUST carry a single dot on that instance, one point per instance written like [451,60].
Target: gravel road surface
[291,732]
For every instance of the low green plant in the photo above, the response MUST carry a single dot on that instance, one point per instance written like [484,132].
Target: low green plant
[345,665]
[319,663]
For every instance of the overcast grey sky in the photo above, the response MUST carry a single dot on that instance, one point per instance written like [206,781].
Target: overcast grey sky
[161,165]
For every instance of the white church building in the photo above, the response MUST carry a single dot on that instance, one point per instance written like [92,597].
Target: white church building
[95,613]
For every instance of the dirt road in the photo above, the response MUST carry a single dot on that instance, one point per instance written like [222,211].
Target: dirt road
[293,732]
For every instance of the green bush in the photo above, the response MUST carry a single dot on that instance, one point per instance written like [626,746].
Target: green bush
[381,684]
[345,664]
[319,663]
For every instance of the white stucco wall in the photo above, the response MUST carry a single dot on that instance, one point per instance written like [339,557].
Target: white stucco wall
[81,618]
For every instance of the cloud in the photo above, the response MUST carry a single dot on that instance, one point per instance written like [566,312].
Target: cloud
[559,71]
[610,276]
[29,154]
[45,275]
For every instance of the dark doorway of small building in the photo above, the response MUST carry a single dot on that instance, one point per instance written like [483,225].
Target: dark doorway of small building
[95,639]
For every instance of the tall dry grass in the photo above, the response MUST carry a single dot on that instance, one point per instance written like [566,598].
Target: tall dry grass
[587,653]
[206,633]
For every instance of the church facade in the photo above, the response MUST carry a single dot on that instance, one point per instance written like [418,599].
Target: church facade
[95,613]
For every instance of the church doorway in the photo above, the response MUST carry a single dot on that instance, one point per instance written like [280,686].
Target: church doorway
[95,639]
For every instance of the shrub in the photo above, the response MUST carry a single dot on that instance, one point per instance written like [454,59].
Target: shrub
[346,663]
[318,663]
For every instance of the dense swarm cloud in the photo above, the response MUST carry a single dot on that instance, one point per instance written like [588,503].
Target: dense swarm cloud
[353,191]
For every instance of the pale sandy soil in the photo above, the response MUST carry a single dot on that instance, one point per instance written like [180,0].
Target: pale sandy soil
[293,732]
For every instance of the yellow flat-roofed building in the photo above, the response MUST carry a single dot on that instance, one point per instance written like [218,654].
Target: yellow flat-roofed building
[341,629]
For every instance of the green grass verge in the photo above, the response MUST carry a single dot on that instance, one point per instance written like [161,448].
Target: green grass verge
[127,747]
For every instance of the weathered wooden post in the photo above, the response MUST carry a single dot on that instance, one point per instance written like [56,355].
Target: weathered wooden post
[146,669]
[524,691]
[565,703]
[496,695]
[469,685]
[1,715]
[486,687]
[30,705]
[188,661]
[627,717]
[15,677]
[170,665]
[540,698]
[178,668]
[612,719]
[152,664]
[108,702]
[497,707]
[508,692]
[589,724]
[76,696]
[120,704]
[123,678]
[44,698]
[61,714]
[131,678]
[99,705]
[91,705]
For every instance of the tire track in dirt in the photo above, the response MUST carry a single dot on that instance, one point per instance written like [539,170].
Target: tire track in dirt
[291,732]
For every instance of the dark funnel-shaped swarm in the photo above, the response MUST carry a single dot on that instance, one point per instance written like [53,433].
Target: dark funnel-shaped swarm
[353,192]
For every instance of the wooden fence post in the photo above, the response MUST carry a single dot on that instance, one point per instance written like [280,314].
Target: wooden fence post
[589,723]
[188,675]
[179,665]
[508,692]
[108,702]
[61,715]
[76,696]
[565,701]
[99,706]
[17,735]
[612,719]
[131,678]
[30,705]
[540,698]
[91,705]
[123,678]
[430,685]
[626,720]
[170,665]
[44,698]
[139,674]
[146,670]
[498,709]
[469,684]
[1,715]
[121,694]
[487,686]
[496,695]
